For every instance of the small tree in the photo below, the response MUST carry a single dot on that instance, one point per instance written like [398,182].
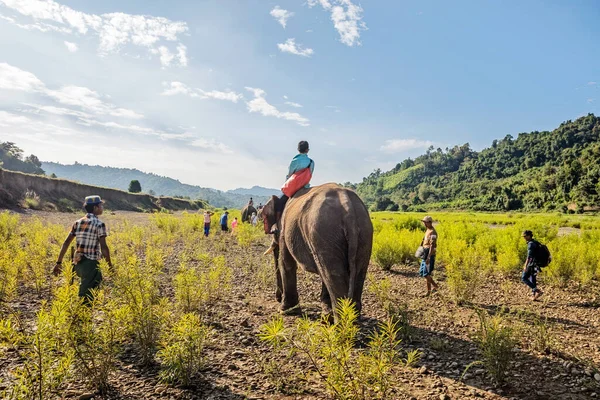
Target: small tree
[135,186]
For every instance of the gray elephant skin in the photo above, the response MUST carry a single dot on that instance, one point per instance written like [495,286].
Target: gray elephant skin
[247,213]
[325,230]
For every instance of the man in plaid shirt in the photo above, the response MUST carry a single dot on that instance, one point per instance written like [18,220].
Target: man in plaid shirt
[90,240]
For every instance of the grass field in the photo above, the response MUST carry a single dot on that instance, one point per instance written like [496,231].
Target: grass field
[182,316]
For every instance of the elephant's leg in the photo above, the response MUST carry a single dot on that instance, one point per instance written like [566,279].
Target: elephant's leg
[279,288]
[337,285]
[358,289]
[289,270]
[325,300]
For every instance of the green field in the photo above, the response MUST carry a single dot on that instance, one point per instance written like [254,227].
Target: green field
[190,317]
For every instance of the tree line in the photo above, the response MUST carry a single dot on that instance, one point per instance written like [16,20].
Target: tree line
[537,171]
[12,158]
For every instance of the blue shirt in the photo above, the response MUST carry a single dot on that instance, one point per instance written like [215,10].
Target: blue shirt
[224,219]
[300,162]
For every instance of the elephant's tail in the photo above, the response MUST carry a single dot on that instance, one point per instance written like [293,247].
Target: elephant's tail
[352,240]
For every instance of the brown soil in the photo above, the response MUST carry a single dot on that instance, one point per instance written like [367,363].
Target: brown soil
[442,331]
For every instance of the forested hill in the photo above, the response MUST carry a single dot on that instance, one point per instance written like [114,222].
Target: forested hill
[558,170]
[119,178]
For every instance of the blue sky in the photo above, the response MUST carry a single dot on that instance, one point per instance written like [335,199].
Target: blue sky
[218,92]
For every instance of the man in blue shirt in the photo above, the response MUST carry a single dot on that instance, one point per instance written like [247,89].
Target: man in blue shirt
[530,269]
[224,221]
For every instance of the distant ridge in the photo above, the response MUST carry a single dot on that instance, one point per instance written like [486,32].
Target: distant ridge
[119,178]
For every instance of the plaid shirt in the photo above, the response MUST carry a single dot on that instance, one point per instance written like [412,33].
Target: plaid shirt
[87,231]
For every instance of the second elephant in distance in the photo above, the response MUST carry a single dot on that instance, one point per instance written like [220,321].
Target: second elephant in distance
[325,230]
[247,213]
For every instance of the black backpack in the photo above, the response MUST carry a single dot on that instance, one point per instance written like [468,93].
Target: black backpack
[542,255]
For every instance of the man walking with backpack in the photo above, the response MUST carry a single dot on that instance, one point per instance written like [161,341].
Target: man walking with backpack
[538,257]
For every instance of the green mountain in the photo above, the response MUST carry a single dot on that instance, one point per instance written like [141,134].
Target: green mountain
[119,178]
[558,170]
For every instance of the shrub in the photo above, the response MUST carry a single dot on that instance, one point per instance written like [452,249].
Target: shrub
[144,313]
[196,287]
[47,358]
[496,340]
[95,341]
[247,234]
[391,247]
[464,270]
[189,294]
[32,200]
[135,186]
[329,350]
[181,349]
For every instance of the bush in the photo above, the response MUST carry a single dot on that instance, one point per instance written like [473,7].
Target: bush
[391,247]
[329,350]
[496,341]
[95,341]
[181,349]
[135,186]
[247,234]
[464,270]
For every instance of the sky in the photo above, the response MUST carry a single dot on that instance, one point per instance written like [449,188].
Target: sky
[218,93]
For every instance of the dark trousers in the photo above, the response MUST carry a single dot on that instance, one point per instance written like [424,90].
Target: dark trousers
[529,278]
[281,203]
[206,228]
[89,273]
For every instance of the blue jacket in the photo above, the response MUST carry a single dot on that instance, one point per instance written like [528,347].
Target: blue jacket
[224,219]
[300,162]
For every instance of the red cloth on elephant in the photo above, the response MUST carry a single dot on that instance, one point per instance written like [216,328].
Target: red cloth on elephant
[296,182]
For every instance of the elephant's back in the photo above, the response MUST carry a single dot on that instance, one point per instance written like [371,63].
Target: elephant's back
[324,205]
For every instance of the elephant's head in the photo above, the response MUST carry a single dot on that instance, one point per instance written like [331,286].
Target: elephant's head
[268,214]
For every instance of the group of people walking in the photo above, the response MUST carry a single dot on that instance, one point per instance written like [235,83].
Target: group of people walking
[90,234]
[538,257]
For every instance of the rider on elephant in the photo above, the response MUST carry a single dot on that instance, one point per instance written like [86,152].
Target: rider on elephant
[300,162]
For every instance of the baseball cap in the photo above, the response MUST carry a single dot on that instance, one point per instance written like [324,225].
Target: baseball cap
[427,219]
[93,200]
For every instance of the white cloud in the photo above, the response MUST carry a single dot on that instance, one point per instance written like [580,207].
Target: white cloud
[72,47]
[89,100]
[346,17]
[281,15]
[260,105]
[182,55]
[175,88]
[13,78]
[592,83]
[400,145]
[36,108]
[229,96]
[8,119]
[292,104]
[211,145]
[334,108]
[324,3]
[591,100]
[114,30]
[290,47]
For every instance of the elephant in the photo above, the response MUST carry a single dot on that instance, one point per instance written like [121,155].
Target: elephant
[326,230]
[247,212]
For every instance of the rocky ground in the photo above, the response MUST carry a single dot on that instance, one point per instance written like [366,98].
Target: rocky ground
[564,364]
